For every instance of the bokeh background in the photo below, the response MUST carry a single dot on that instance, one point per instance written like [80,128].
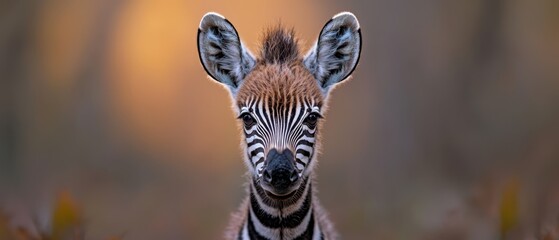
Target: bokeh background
[449,128]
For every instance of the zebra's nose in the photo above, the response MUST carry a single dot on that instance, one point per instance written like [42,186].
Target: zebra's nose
[280,171]
[280,178]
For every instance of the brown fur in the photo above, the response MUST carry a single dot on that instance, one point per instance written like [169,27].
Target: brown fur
[280,84]
[281,78]
[237,220]
[280,74]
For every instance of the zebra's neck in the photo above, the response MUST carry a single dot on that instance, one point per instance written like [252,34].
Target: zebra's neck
[291,218]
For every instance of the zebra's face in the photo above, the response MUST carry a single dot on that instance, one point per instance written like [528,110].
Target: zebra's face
[280,96]
[279,110]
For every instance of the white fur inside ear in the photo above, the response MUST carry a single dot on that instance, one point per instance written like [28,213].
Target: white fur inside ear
[349,16]
[210,16]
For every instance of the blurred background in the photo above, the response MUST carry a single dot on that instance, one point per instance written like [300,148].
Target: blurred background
[449,128]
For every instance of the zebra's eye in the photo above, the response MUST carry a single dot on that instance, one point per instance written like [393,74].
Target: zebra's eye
[312,119]
[248,120]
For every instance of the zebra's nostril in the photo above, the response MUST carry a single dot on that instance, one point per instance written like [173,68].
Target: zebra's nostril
[267,176]
[294,176]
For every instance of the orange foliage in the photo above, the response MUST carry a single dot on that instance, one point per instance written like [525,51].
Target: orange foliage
[66,223]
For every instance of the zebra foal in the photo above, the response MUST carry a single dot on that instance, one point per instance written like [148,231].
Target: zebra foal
[279,98]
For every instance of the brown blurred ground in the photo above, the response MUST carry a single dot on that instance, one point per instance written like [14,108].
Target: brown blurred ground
[448,130]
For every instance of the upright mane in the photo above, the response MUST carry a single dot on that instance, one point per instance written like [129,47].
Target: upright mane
[279,46]
[279,98]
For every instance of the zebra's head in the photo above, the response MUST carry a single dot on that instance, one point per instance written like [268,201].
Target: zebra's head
[280,97]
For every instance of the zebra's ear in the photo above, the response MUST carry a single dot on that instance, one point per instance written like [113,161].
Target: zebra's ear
[221,52]
[336,53]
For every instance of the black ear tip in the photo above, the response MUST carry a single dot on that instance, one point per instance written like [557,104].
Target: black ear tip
[347,18]
[211,19]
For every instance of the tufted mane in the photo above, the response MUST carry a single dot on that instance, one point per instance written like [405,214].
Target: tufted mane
[279,45]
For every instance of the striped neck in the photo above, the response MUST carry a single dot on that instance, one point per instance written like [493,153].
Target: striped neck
[291,218]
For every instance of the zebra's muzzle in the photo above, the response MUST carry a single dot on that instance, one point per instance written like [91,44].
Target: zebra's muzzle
[280,177]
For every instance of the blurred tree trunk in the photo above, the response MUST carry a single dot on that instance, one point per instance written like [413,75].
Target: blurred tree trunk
[17,20]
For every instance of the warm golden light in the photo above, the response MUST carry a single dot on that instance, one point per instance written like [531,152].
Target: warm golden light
[450,101]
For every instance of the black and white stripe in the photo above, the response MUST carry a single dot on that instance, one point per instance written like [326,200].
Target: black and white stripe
[280,117]
[280,219]
[279,126]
